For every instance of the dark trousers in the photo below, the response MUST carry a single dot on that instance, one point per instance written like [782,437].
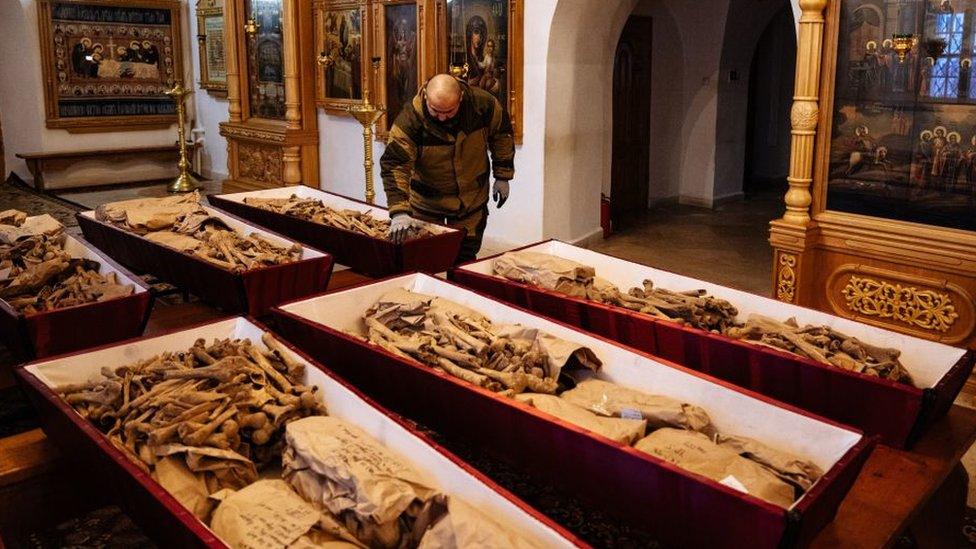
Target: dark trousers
[474,223]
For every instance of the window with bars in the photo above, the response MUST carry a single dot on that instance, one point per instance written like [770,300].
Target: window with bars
[945,71]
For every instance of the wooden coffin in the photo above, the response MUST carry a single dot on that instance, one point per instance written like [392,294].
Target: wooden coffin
[252,292]
[678,507]
[172,525]
[899,413]
[81,326]
[373,257]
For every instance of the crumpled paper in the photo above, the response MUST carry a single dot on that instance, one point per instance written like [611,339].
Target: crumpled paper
[269,513]
[464,526]
[608,399]
[625,431]
[697,453]
[546,271]
[799,472]
[338,466]
[143,215]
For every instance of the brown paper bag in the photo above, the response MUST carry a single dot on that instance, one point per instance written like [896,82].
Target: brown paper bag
[695,452]
[187,487]
[464,526]
[338,466]
[799,472]
[621,430]
[612,400]
[142,215]
[269,513]
[545,271]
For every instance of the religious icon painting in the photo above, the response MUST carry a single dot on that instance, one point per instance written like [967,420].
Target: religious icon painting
[922,170]
[107,63]
[484,48]
[398,43]
[343,69]
[210,35]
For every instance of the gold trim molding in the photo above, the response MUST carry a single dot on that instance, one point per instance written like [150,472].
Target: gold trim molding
[909,305]
[923,307]
[786,278]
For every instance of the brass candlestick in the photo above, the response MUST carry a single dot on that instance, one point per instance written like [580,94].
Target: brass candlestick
[368,114]
[185,182]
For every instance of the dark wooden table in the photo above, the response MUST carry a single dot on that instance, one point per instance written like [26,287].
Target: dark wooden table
[909,494]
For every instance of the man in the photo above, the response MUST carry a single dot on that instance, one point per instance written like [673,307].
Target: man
[436,165]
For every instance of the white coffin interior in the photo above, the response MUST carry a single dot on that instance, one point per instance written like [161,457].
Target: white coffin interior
[927,361]
[74,248]
[340,402]
[331,200]
[245,229]
[732,412]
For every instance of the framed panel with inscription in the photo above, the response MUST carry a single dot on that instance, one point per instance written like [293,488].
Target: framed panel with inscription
[106,63]
[210,37]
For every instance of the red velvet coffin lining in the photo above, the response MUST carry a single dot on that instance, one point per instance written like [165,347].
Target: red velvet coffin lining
[900,414]
[252,292]
[373,257]
[158,512]
[73,328]
[677,507]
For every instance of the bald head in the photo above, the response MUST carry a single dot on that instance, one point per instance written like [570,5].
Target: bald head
[443,97]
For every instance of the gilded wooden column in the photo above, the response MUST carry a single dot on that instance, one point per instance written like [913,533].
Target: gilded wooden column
[793,235]
[293,101]
[805,110]
[292,156]
[232,32]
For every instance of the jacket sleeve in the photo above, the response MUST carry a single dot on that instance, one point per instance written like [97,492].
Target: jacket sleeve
[502,143]
[396,164]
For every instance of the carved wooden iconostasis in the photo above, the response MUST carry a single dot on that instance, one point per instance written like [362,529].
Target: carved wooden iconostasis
[881,213]
[271,132]
[479,41]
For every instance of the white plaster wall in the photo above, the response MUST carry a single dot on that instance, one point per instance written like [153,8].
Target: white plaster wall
[22,101]
[209,111]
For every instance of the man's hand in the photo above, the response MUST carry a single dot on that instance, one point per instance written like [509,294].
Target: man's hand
[500,192]
[400,225]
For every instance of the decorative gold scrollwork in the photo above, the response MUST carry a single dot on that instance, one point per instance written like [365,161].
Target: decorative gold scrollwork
[927,309]
[786,278]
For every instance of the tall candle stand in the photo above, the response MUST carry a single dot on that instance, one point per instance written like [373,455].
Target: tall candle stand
[368,114]
[184,182]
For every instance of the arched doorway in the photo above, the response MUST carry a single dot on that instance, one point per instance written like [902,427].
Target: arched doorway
[700,72]
[767,159]
[630,164]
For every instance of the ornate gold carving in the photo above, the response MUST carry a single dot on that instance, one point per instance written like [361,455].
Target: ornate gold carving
[786,278]
[261,164]
[804,115]
[927,309]
[250,133]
